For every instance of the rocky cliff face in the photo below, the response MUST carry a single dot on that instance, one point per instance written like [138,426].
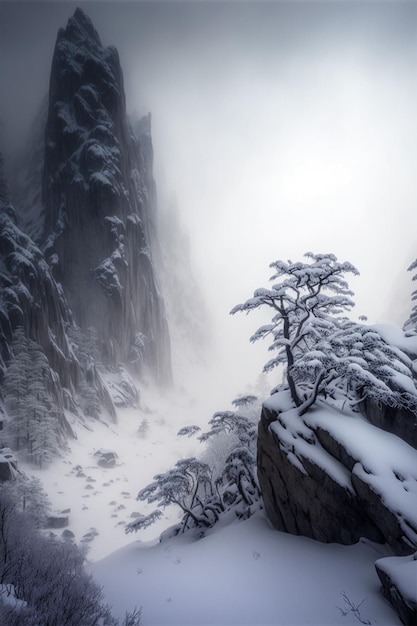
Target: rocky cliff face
[99,199]
[79,290]
[337,475]
[26,179]
[30,299]
[334,476]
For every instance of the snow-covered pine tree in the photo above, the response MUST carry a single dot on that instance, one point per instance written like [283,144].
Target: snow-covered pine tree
[412,321]
[45,575]
[235,475]
[32,423]
[15,387]
[365,365]
[223,480]
[323,352]
[143,428]
[304,293]
[30,497]
[187,484]
[43,436]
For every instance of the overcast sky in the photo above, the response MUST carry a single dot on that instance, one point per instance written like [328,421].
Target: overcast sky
[278,128]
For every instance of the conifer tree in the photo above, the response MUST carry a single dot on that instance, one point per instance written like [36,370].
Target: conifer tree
[32,414]
[302,294]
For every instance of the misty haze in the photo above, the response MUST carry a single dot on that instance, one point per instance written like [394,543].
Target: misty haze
[208,328]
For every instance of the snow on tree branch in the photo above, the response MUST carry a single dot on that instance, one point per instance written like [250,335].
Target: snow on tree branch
[306,292]
[324,353]
[204,491]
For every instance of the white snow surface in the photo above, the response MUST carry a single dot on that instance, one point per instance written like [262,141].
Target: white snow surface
[102,500]
[395,336]
[386,462]
[296,437]
[245,574]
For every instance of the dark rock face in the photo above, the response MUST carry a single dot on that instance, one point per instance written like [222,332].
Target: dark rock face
[57,521]
[308,503]
[398,421]
[319,481]
[99,198]
[31,299]
[26,179]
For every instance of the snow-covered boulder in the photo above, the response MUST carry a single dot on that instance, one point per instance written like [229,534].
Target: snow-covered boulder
[106,458]
[57,521]
[398,576]
[335,477]
[8,464]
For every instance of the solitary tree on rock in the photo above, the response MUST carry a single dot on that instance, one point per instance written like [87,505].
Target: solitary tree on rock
[302,294]
[323,352]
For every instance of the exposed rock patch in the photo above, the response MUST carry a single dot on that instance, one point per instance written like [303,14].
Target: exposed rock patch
[302,497]
[57,521]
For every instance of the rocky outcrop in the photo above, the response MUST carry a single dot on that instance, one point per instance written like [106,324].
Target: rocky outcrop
[335,477]
[31,300]
[398,576]
[26,179]
[400,422]
[100,202]
[57,521]
[301,495]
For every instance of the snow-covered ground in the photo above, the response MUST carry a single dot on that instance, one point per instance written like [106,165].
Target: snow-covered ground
[243,574]
[102,500]
[246,574]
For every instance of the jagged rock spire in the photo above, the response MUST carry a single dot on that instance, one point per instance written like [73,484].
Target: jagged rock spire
[100,201]
[80,28]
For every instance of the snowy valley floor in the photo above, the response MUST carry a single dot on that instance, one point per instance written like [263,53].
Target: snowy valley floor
[245,574]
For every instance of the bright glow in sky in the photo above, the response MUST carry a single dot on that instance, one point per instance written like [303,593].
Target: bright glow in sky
[278,127]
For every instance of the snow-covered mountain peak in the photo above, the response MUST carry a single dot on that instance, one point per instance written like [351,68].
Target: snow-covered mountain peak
[80,27]
[79,54]
[100,205]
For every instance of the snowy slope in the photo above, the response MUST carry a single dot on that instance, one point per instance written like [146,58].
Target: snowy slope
[245,574]
[102,500]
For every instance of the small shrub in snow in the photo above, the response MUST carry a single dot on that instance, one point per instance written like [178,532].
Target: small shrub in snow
[412,321]
[143,428]
[352,609]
